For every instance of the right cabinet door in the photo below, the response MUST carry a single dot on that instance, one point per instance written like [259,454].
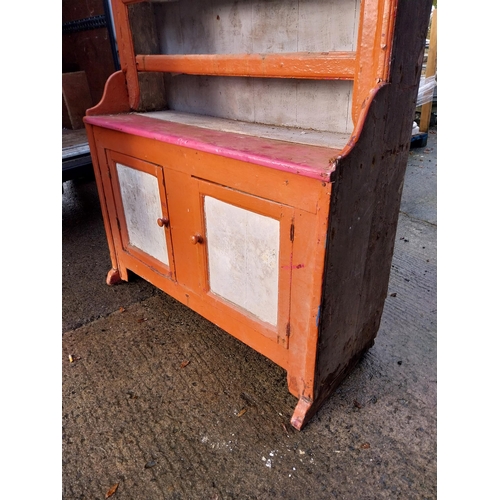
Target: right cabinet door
[245,251]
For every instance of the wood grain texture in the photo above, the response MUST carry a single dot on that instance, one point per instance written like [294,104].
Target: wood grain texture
[306,104]
[74,142]
[310,161]
[71,138]
[261,27]
[76,99]
[366,194]
[257,26]
[89,50]
[288,134]
[322,65]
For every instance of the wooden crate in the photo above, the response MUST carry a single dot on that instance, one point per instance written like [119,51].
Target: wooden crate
[76,99]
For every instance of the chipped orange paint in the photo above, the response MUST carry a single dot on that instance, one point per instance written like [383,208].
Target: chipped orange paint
[328,65]
[375,34]
[367,66]
[297,195]
[194,175]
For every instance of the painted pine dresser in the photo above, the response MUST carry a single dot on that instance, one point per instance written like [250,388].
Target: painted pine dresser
[250,156]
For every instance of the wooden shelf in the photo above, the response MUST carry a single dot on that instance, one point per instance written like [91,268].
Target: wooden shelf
[317,162]
[325,65]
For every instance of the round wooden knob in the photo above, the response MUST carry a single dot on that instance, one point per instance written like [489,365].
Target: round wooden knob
[196,238]
[163,222]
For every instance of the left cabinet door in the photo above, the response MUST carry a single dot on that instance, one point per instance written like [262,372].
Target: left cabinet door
[140,197]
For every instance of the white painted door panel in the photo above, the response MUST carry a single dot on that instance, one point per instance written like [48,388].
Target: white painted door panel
[243,257]
[142,207]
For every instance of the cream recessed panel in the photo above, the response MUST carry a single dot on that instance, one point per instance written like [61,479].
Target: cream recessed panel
[243,257]
[142,207]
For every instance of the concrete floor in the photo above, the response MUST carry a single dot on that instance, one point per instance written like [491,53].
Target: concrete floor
[217,428]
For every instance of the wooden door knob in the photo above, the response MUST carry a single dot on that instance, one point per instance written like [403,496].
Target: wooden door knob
[163,222]
[196,238]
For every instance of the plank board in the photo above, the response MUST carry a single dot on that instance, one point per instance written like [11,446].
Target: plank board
[288,134]
[76,99]
[310,161]
[261,26]
[74,143]
[257,26]
[308,104]
[308,65]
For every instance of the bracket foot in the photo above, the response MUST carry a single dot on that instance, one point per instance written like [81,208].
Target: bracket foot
[302,413]
[113,277]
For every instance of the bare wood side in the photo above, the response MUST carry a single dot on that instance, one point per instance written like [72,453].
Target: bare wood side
[330,65]
[366,195]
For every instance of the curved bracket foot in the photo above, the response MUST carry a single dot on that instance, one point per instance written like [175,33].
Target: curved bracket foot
[302,413]
[113,277]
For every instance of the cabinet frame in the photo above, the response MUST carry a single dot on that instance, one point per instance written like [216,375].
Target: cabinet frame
[345,200]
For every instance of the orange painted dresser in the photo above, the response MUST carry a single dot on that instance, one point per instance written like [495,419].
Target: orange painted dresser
[250,156]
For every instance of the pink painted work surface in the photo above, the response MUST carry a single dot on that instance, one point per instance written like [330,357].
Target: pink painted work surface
[310,161]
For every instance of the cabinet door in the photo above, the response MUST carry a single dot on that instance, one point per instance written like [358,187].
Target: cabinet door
[142,213]
[245,245]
